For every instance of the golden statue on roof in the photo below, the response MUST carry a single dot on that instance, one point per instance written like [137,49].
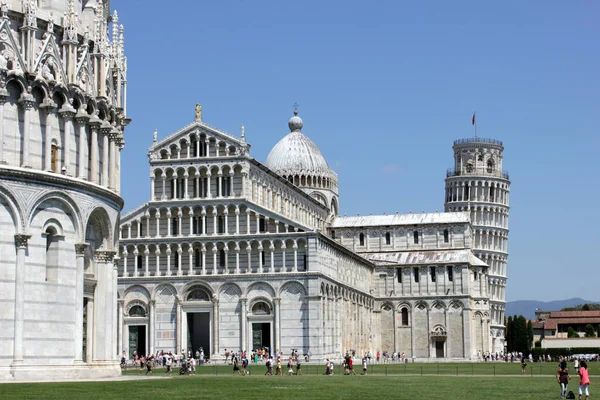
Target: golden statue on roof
[198,112]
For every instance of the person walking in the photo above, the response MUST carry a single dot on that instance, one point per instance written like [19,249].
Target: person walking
[523,366]
[236,366]
[584,380]
[562,375]
[298,367]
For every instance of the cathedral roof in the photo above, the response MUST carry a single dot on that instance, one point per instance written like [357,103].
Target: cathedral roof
[296,154]
[425,257]
[400,219]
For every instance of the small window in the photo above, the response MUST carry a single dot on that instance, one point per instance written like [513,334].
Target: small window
[416,274]
[263,258]
[53,158]
[399,275]
[450,273]
[221,222]
[388,238]
[194,148]
[480,157]
[432,274]
[197,258]
[175,226]
[446,236]
[492,193]
[333,234]
[176,260]
[361,239]
[141,229]
[404,314]
[222,258]
[416,237]
[139,262]
[490,166]
[262,225]
[475,275]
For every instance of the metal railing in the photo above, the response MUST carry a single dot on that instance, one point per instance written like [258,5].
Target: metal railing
[478,140]
[478,171]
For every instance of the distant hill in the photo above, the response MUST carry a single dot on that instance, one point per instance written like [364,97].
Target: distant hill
[527,307]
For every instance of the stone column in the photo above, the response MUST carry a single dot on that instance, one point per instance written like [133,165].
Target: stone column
[80,260]
[247,221]
[237,259]
[185,183]
[120,311]
[277,320]
[208,191]
[163,195]
[249,251]
[82,118]
[3,97]
[169,252]
[191,261]
[27,101]
[203,250]
[283,247]
[243,323]
[295,256]
[226,221]
[215,328]
[152,198]
[89,346]
[112,174]
[94,127]
[146,262]
[157,216]
[180,259]
[152,325]
[105,131]
[178,328]
[124,255]
[237,220]
[157,254]
[21,245]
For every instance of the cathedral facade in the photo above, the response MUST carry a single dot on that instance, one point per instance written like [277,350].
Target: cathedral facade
[62,116]
[232,254]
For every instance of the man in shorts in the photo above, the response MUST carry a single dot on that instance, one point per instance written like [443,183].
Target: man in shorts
[298,367]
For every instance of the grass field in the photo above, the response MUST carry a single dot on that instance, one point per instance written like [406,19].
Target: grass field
[312,386]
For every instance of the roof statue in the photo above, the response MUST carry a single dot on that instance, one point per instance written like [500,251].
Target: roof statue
[198,112]
[155,136]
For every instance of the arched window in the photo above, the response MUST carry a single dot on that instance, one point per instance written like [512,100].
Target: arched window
[221,223]
[404,313]
[137,311]
[388,238]
[490,166]
[446,236]
[176,260]
[139,262]
[361,239]
[198,294]
[175,226]
[53,158]
[261,308]
[262,225]
[197,258]
[52,254]
[416,237]
[140,229]
[222,258]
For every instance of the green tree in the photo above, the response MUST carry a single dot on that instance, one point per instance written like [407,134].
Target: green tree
[589,331]
[509,334]
[521,335]
[571,333]
[529,336]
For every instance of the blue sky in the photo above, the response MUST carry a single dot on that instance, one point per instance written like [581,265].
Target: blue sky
[384,88]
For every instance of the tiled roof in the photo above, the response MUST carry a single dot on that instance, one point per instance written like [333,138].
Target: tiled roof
[424,257]
[401,219]
[575,314]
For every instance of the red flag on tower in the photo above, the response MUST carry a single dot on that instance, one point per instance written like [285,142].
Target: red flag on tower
[473,119]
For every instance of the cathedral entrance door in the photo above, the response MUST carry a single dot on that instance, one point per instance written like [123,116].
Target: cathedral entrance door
[439,348]
[137,340]
[261,336]
[198,332]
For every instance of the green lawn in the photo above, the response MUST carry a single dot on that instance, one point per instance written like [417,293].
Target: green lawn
[296,387]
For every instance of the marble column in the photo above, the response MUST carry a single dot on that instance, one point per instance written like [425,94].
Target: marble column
[243,324]
[21,245]
[79,265]
[277,320]
[89,346]
[82,118]
[105,131]
[178,329]
[94,163]
[3,97]
[152,325]
[112,164]
[215,328]
[27,101]
[120,315]
[49,107]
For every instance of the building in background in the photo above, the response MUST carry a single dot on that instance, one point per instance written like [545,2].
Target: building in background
[552,329]
[233,254]
[62,115]
[479,186]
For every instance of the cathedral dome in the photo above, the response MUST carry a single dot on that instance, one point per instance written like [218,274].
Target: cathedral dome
[297,154]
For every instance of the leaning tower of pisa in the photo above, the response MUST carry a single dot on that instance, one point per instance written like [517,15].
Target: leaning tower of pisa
[478,183]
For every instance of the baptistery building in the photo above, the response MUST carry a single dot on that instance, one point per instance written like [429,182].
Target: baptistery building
[231,254]
[62,116]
